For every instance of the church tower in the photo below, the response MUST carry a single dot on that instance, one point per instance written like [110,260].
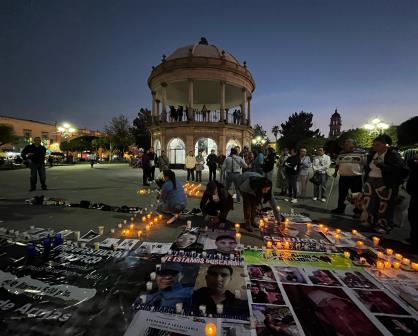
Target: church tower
[335,126]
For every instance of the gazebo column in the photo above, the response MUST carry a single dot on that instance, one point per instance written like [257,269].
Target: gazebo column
[249,111]
[157,109]
[190,114]
[153,106]
[243,105]
[164,101]
[222,102]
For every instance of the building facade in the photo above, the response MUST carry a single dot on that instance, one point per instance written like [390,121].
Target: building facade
[26,130]
[201,100]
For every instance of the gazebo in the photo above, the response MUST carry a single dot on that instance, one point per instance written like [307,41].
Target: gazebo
[201,100]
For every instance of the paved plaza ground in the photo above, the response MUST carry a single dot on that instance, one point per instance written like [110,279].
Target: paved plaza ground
[117,185]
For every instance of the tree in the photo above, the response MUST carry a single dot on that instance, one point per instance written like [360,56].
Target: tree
[119,134]
[407,132]
[298,127]
[140,129]
[7,135]
[275,130]
[311,144]
[362,137]
[83,143]
[259,131]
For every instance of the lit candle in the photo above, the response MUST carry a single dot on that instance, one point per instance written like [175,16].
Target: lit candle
[375,241]
[279,245]
[152,276]
[354,232]
[132,226]
[123,232]
[309,226]
[380,254]
[112,230]
[202,310]
[321,227]
[132,219]
[149,216]
[398,256]
[406,261]
[101,230]
[143,298]
[204,254]
[219,308]
[388,264]
[237,226]
[269,244]
[359,244]
[389,252]
[97,246]
[338,231]
[414,266]
[139,233]
[147,227]
[238,237]
[362,260]
[337,237]
[77,235]
[286,245]
[210,329]
[396,265]
[144,218]
[189,224]
[120,225]
[125,221]
[380,265]
[347,254]
[325,230]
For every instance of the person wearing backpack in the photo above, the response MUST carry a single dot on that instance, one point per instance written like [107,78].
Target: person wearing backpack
[232,167]
[385,172]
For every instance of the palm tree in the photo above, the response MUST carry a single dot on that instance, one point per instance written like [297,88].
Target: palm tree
[275,131]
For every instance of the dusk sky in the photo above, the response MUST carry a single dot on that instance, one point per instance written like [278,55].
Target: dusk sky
[87,61]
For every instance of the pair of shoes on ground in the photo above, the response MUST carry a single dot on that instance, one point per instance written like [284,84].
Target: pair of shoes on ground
[291,200]
[323,200]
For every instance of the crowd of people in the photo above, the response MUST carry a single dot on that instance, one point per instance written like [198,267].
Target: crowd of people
[374,180]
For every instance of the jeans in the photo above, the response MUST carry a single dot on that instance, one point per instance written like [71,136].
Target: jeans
[302,185]
[171,209]
[250,207]
[35,169]
[292,185]
[231,178]
[145,175]
[216,209]
[321,188]
[190,173]
[152,173]
[353,183]
[212,173]
[198,176]
[269,174]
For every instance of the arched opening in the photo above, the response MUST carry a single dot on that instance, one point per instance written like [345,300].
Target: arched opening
[230,144]
[176,153]
[157,147]
[205,145]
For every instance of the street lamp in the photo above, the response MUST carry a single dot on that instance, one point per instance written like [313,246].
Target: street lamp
[376,126]
[66,130]
[258,141]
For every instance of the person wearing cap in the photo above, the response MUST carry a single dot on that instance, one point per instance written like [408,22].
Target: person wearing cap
[225,244]
[170,289]
[217,279]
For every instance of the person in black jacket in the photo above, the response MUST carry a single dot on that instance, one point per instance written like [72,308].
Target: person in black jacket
[385,172]
[211,162]
[292,166]
[268,165]
[216,201]
[412,189]
[35,155]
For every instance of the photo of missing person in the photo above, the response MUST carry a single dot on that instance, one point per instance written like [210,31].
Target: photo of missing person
[379,302]
[400,326]
[274,321]
[355,279]
[173,284]
[266,292]
[188,241]
[289,274]
[326,311]
[235,328]
[220,243]
[356,254]
[321,277]
[221,284]
[261,272]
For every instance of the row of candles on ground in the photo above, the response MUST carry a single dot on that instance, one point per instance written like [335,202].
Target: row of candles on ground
[149,220]
[192,189]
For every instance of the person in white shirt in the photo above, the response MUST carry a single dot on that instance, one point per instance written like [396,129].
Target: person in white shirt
[190,166]
[305,164]
[320,166]
[232,167]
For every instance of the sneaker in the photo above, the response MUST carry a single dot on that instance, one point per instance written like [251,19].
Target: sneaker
[294,200]
[337,211]
[286,200]
[323,200]
[315,198]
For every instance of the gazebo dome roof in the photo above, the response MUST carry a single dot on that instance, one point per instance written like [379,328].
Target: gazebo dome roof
[202,49]
[336,114]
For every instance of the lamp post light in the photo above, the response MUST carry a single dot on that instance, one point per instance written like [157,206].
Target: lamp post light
[258,141]
[66,130]
[376,126]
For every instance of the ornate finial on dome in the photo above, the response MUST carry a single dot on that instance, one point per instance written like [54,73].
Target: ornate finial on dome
[163,59]
[245,64]
[204,41]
